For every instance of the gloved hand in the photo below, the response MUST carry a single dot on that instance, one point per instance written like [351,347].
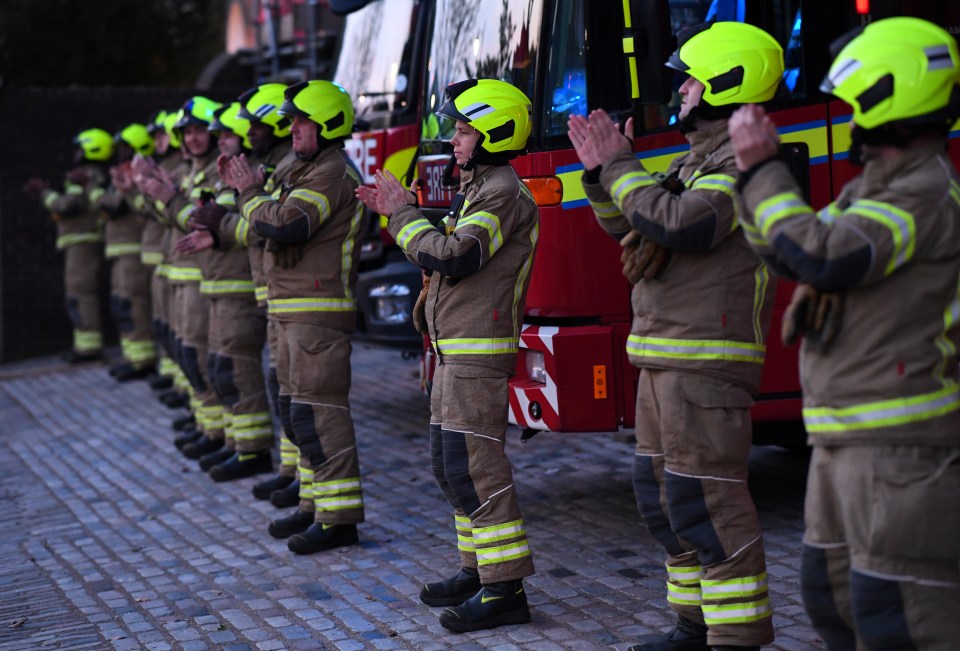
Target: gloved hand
[207,215]
[285,256]
[812,314]
[642,258]
[420,308]
[114,205]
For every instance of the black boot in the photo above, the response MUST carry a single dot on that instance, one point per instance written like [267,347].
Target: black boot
[174,399]
[160,382]
[129,373]
[190,435]
[494,605]
[117,370]
[264,489]
[203,445]
[685,636]
[211,459]
[242,464]
[453,591]
[182,423]
[73,357]
[295,523]
[286,497]
[321,536]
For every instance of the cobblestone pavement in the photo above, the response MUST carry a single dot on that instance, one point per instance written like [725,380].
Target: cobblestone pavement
[112,540]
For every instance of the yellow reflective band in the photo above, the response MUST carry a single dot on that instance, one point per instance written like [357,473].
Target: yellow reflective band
[465,543]
[884,413]
[761,278]
[305,474]
[139,202]
[337,486]
[410,230]
[242,231]
[727,351]
[296,305]
[163,270]
[338,503]
[499,532]
[736,613]
[226,287]
[260,292]
[748,586]
[77,238]
[256,418]
[346,250]
[503,346]
[252,433]
[605,209]
[828,214]
[96,194]
[167,367]
[944,344]
[753,235]
[779,206]
[126,248]
[503,553]
[315,199]
[955,192]
[463,523]
[87,340]
[253,204]
[720,182]
[49,199]
[160,206]
[184,274]
[488,222]
[684,575]
[152,258]
[521,282]
[184,215]
[627,183]
[902,228]
[683,596]
[226,200]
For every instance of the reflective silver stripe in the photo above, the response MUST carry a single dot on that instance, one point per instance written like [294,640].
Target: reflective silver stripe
[886,413]
[477,346]
[289,305]
[734,351]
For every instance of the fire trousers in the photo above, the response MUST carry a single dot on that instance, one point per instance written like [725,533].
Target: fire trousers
[313,369]
[192,325]
[130,308]
[236,337]
[81,282]
[289,452]
[468,423]
[690,481]
[881,554]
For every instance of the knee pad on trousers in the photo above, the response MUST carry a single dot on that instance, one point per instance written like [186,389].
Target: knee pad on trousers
[305,428]
[646,490]
[283,409]
[436,463]
[273,386]
[878,613]
[220,371]
[456,471]
[690,517]
[73,312]
[191,368]
[820,602]
[122,312]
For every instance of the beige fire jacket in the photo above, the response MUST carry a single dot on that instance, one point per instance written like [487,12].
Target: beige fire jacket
[73,209]
[481,263]
[891,241]
[201,177]
[318,211]
[709,312]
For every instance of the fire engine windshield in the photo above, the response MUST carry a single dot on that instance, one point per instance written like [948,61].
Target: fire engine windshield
[375,58]
[490,39]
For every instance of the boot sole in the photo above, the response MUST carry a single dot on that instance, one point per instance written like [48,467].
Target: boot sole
[513,617]
[307,548]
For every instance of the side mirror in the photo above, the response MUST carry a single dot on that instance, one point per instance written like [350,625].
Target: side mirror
[647,44]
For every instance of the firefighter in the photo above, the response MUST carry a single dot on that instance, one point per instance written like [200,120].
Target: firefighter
[122,208]
[313,230]
[702,306]
[189,308]
[479,261]
[237,324]
[881,562]
[80,237]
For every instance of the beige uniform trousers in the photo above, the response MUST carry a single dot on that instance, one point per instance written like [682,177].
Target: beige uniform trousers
[81,282]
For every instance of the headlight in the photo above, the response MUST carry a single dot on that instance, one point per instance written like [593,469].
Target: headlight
[391,303]
[536,370]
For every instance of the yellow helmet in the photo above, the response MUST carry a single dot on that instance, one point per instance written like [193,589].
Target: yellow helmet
[499,111]
[197,110]
[97,144]
[262,104]
[904,70]
[322,102]
[737,63]
[138,137]
[155,121]
[228,118]
[170,126]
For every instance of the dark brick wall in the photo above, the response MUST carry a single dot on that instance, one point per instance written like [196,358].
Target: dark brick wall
[36,128]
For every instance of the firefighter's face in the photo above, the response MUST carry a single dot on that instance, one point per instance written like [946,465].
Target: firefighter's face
[690,93]
[161,141]
[196,139]
[229,143]
[304,133]
[261,138]
[464,141]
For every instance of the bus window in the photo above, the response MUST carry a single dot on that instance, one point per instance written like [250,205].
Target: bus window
[489,39]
